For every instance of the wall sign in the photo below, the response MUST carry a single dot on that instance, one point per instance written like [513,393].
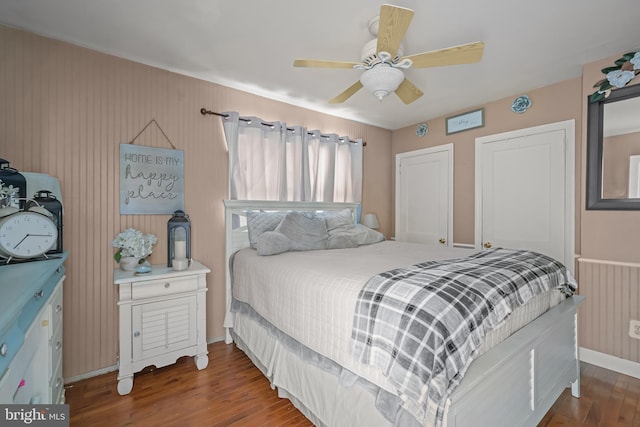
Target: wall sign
[151,180]
[465,121]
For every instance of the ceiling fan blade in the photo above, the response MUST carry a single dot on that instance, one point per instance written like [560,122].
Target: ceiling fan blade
[408,92]
[462,54]
[347,93]
[324,64]
[392,26]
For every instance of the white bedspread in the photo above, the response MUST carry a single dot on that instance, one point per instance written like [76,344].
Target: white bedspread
[311,295]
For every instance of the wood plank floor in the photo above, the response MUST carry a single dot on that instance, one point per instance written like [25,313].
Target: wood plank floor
[232,392]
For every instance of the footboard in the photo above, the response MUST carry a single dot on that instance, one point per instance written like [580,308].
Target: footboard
[518,381]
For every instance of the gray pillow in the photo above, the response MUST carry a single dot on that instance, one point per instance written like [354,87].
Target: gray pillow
[260,222]
[363,235]
[367,236]
[307,231]
[336,219]
[272,243]
[342,241]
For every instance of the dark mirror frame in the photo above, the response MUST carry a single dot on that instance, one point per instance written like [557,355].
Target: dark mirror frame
[595,115]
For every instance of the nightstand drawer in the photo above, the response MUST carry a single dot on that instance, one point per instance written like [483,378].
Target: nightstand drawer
[157,288]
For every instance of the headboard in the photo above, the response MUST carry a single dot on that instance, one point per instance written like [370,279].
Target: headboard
[237,236]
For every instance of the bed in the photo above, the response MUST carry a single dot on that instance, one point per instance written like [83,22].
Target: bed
[291,310]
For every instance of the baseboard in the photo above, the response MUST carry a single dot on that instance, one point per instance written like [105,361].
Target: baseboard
[216,339]
[464,245]
[610,362]
[108,369]
[87,375]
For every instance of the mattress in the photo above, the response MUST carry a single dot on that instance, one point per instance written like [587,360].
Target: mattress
[310,296]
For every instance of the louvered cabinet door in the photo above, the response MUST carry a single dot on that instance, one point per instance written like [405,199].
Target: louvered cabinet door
[164,326]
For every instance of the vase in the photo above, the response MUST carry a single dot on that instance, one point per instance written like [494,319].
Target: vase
[128,263]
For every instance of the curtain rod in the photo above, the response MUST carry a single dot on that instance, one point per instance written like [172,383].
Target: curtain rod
[205,112]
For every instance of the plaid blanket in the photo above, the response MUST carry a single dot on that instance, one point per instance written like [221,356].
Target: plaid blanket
[422,324]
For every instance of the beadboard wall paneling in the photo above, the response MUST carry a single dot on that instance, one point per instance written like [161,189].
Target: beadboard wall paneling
[612,292]
[65,110]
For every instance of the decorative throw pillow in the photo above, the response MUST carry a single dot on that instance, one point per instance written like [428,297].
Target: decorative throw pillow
[260,222]
[367,236]
[273,243]
[342,241]
[307,231]
[337,219]
[362,234]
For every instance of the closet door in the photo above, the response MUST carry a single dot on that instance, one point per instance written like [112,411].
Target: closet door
[424,186]
[524,191]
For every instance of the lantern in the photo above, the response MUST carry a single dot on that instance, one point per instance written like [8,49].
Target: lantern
[179,241]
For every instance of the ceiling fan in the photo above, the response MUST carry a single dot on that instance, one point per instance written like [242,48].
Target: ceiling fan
[382,59]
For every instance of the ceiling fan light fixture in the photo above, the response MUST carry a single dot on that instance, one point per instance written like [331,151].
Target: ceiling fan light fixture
[382,80]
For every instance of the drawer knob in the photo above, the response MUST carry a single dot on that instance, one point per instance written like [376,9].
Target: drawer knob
[39,294]
[166,285]
[58,382]
[4,349]
[136,334]
[58,346]
[58,308]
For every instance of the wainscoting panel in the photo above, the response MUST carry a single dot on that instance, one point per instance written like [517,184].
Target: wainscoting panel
[612,293]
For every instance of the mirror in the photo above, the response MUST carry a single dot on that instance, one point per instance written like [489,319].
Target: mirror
[613,151]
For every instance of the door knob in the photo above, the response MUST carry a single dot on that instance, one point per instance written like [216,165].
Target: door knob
[487,245]
[442,240]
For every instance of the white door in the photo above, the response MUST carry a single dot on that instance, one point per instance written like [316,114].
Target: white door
[524,190]
[424,199]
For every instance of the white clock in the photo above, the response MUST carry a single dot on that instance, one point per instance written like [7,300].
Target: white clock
[27,234]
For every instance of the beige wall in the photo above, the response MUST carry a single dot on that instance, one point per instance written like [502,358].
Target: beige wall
[610,264]
[64,111]
[550,104]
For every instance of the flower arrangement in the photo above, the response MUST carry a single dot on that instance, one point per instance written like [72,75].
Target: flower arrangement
[617,76]
[133,243]
[7,194]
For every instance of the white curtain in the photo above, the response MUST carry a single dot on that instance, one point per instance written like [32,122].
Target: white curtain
[268,161]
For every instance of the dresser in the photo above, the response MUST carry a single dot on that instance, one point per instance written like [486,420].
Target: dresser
[31,311]
[162,317]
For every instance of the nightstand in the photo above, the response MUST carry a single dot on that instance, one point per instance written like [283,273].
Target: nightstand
[162,318]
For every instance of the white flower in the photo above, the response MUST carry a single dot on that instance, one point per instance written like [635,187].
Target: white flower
[619,78]
[132,242]
[636,61]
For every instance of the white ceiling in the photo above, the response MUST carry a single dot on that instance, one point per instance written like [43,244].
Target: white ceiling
[251,45]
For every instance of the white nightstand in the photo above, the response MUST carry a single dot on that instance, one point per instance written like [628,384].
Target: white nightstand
[162,318]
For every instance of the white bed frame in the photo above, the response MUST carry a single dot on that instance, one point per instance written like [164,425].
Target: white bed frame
[514,383]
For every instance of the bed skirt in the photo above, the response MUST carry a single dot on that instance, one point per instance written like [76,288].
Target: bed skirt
[330,396]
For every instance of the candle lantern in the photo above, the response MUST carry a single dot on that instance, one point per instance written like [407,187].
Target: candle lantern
[179,241]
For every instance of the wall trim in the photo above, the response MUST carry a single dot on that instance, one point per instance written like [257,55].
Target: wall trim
[464,245]
[610,362]
[609,262]
[87,375]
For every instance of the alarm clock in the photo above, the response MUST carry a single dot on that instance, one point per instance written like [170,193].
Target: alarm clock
[27,234]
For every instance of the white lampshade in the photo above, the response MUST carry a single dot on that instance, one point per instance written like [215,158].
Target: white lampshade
[371,221]
[381,80]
